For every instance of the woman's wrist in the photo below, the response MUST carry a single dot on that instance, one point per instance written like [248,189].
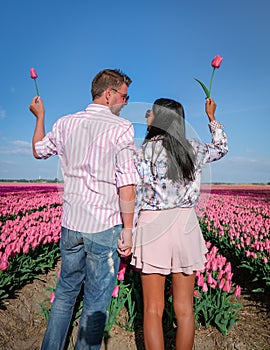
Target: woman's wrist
[211,117]
[214,124]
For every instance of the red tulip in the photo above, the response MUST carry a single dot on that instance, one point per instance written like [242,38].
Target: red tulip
[216,61]
[33,73]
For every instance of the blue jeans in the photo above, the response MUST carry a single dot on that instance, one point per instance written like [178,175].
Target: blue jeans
[92,259]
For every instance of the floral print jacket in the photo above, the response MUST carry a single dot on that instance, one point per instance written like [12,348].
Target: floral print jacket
[155,191]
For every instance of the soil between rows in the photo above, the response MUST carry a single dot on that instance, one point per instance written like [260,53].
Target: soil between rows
[22,327]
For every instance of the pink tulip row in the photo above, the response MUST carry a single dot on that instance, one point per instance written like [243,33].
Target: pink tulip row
[216,274]
[19,235]
[246,221]
[15,202]
[115,292]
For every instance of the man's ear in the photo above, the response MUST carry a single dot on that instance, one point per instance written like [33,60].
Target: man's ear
[107,95]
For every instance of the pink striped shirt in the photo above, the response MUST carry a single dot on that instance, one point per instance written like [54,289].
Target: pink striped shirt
[96,151]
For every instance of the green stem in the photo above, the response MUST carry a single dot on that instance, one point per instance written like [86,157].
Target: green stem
[211,81]
[36,87]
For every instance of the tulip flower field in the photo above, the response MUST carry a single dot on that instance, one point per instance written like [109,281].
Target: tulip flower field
[235,222]
[239,223]
[30,221]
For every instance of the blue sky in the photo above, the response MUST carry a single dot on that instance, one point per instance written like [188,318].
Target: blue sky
[162,46]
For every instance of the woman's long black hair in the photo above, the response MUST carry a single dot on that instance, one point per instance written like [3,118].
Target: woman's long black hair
[169,122]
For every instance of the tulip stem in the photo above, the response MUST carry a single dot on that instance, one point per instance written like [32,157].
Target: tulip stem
[36,87]
[211,80]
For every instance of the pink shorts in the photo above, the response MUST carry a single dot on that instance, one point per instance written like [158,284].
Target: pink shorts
[168,241]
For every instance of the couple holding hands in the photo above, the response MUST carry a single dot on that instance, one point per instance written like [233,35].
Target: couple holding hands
[101,184]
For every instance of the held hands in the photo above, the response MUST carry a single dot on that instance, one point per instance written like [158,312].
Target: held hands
[125,242]
[37,107]
[210,108]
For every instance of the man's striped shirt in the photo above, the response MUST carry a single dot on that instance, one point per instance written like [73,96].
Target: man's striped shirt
[96,151]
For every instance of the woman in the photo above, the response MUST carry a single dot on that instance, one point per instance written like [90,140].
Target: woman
[168,239]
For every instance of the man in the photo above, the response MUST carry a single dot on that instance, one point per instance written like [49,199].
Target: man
[95,148]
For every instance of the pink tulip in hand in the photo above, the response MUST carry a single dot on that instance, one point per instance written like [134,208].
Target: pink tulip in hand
[33,75]
[216,62]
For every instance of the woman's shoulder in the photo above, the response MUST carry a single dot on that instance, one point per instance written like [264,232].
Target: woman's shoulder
[150,144]
[149,148]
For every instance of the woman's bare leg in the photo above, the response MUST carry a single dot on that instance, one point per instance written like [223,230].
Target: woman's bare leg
[183,289]
[153,298]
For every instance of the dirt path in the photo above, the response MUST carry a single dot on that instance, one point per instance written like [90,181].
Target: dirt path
[22,327]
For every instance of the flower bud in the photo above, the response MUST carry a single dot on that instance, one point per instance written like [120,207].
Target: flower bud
[115,291]
[216,61]
[33,73]
[52,297]
[237,291]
